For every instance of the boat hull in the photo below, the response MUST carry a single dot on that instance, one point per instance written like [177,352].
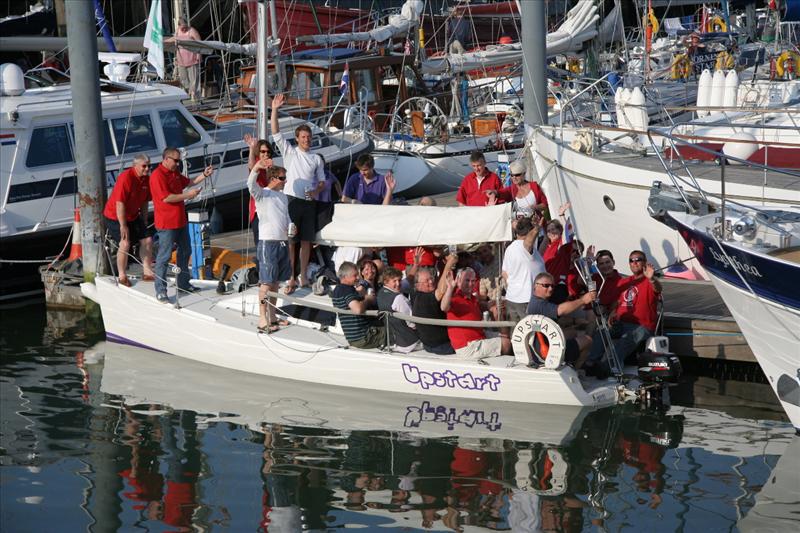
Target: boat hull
[609,202]
[204,332]
[765,304]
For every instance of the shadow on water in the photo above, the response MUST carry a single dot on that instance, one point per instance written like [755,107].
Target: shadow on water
[111,437]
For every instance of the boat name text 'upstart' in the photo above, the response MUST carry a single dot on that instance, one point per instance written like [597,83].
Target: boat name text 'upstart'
[448,378]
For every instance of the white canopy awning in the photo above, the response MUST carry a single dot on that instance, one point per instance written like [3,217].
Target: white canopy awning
[401,225]
[401,24]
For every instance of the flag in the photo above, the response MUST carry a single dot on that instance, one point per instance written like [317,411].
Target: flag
[100,18]
[154,38]
[344,85]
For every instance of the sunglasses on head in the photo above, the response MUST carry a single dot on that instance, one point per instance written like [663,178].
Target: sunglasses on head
[636,260]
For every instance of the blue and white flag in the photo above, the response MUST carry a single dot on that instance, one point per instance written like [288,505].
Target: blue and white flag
[154,38]
[344,85]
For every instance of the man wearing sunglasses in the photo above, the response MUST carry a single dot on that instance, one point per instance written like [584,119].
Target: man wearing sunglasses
[167,187]
[634,315]
[126,217]
[271,250]
[577,346]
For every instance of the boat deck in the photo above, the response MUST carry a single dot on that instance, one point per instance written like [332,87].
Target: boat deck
[704,170]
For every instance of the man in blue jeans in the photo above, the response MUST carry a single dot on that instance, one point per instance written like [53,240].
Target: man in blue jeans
[167,189]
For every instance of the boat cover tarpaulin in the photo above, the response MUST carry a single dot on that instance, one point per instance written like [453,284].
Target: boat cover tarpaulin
[579,27]
[398,25]
[401,225]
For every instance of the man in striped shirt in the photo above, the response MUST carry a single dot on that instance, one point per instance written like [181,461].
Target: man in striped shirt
[349,296]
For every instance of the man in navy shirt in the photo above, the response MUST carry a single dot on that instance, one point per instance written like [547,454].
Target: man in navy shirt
[577,347]
[367,186]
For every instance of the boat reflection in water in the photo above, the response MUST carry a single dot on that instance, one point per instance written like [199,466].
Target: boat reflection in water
[209,445]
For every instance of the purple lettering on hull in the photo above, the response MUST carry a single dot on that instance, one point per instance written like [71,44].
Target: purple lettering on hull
[450,379]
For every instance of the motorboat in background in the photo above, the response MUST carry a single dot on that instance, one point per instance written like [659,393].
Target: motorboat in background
[37,164]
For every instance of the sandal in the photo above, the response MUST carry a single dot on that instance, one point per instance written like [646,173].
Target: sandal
[280,322]
[271,328]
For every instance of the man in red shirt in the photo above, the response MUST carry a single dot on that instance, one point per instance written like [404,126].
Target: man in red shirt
[460,303]
[633,317]
[167,188]
[126,214]
[477,183]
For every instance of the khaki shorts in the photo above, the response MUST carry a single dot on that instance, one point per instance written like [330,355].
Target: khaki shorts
[480,349]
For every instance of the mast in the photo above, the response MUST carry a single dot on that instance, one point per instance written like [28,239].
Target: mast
[273,18]
[87,115]
[261,72]
[534,67]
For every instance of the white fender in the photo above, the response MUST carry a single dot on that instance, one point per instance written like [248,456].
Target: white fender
[523,336]
[717,90]
[740,150]
[731,89]
[704,92]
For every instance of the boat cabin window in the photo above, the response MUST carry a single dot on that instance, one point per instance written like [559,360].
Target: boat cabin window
[205,122]
[134,135]
[365,78]
[49,145]
[306,86]
[178,131]
[107,144]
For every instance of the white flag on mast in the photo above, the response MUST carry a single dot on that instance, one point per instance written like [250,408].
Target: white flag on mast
[154,38]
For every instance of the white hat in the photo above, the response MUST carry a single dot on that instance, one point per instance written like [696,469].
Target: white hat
[517,167]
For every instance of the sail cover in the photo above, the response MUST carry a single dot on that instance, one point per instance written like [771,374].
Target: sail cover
[579,27]
[397,25]
[402,225]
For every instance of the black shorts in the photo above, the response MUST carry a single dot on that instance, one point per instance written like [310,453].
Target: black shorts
[136,230]
[303,214]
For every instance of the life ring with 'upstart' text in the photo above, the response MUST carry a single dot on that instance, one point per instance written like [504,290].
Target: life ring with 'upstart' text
[539,340]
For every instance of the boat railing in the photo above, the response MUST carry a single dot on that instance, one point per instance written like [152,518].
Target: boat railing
[570,103]
[104,97]
[303,302]
[43,223]
[724,159]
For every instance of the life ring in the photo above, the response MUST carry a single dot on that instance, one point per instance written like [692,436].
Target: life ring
[651,18]
[681,67]
[539,340]
[724,61]
[782,63]
[715,24]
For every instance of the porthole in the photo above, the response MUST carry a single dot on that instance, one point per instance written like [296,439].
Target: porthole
[609,203]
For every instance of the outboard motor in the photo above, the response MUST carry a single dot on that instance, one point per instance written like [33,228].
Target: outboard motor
[657,364]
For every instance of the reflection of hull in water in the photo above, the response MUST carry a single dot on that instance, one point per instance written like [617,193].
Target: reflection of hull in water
[144,376]
[778,504]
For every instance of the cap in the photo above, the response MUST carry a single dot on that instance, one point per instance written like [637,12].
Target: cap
[517,167]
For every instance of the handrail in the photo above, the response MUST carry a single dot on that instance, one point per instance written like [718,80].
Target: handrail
[401,316]
[724,201]
[569,102]
[43,222]
[117,96]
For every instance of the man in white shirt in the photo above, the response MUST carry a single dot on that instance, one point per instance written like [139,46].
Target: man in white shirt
[273,228]
[521,264]
[305,177]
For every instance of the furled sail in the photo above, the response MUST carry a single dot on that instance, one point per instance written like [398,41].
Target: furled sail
[397,25]
[579,26]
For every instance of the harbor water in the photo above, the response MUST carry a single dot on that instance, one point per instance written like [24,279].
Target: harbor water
[102,437]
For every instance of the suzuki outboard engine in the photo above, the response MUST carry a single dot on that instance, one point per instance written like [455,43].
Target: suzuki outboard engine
[657,364]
